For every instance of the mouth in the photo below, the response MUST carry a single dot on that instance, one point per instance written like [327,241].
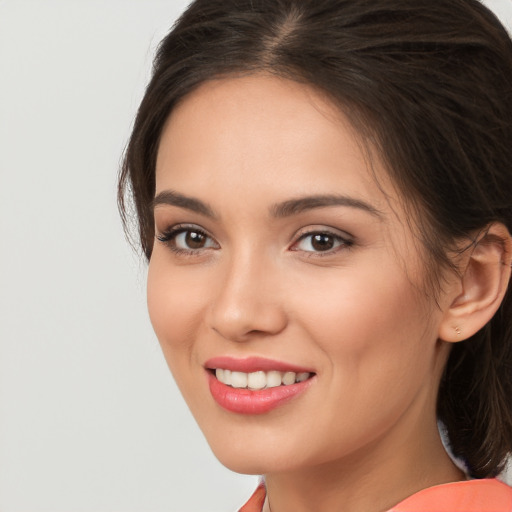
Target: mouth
[255,385]
[259,379]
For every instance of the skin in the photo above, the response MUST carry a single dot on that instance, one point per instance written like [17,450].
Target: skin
[363,436]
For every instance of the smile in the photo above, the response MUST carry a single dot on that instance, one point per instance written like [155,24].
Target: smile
[259,379]
[255,385]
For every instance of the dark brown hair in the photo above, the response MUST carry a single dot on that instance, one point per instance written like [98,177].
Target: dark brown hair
[429,84]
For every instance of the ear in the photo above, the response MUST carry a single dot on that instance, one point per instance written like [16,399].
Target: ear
[481,286]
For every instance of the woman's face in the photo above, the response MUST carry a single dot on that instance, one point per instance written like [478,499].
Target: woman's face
[280,262]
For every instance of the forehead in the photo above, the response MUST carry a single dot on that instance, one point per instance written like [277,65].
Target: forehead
[266,129]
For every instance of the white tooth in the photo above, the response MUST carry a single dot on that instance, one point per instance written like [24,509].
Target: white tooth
[256,380]
[289,378]
[239,379]
[219,373]
[227,377]
[273,379]
[301,377]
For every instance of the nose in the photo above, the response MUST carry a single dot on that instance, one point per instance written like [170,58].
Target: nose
[248,303]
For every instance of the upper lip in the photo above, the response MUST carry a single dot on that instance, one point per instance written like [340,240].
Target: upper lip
[253,364]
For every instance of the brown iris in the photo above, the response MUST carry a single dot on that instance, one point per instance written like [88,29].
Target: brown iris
[322,242]
[195,239]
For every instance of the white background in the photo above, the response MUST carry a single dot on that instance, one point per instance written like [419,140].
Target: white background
[90,419]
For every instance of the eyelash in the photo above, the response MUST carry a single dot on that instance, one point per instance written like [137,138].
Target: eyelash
[169,236]
[344,243]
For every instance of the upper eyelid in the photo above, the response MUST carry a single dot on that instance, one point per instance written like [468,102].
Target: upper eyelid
[168,234]
[180,227]
[345,239]
[302,233]
[308,231]
[310,235]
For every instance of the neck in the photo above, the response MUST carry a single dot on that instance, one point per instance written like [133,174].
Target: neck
[373,479]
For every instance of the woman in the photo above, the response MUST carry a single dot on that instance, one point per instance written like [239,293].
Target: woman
[324,195]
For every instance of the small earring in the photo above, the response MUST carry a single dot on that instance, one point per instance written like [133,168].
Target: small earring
[458,331]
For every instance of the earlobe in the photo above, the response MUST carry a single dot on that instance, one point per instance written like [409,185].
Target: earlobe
[483,283]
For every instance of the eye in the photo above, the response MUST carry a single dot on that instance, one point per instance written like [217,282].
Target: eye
[187,239]
[190,239]
[321,242]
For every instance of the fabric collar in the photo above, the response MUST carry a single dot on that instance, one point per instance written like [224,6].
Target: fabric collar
[487,495]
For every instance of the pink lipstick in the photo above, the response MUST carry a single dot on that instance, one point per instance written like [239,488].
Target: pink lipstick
[255,385]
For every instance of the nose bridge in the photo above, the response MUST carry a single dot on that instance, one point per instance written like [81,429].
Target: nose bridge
[247,302]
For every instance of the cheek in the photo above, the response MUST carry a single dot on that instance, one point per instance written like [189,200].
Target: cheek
[174,309]
[373,327]
[361,301]
[373,334]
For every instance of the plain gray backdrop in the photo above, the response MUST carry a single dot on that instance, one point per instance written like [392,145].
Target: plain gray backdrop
[90,418]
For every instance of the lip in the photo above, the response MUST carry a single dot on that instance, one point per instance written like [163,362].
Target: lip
[246,401]
[253,364]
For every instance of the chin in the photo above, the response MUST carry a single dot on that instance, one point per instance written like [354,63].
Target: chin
[252,465]
[244,467]
[268,453]
[252,458]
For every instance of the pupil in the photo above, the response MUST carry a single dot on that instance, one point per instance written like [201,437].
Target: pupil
[322,242]
[195,240]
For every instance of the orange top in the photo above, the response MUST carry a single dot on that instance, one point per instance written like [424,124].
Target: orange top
[489,495]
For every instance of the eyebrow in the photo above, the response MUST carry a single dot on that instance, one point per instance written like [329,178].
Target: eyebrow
[302,204]
[279,210]
[173,198]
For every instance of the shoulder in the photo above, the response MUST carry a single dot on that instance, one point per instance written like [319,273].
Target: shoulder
[488,495]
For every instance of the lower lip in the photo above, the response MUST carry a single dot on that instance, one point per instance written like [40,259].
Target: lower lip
[247,401]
